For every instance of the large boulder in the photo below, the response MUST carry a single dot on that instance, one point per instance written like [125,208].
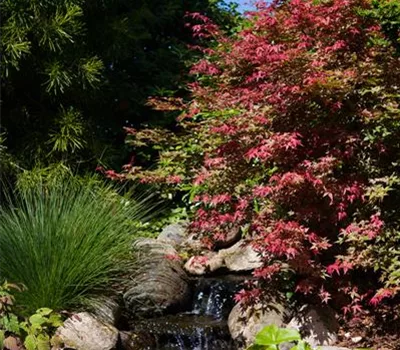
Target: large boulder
[160,283]
[174,234]
[245,323]
[83,331]
[317,325]
[240,257]
[106,310]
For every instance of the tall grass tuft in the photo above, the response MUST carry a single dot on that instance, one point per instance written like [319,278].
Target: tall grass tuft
[67,243]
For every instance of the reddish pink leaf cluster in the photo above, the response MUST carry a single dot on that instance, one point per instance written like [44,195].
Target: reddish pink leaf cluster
[278,140]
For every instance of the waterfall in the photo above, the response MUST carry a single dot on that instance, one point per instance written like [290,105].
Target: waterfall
[213,298]
[203,326]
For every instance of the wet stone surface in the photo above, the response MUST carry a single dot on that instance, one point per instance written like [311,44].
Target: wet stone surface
[186,332]
[203,326]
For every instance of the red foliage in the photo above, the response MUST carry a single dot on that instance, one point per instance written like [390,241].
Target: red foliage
[280,112]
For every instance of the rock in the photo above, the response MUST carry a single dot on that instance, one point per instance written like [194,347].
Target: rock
[83,331]
[356,340]
[231,237]
[146,246]
[106,310]
[240,257]
[195,266]
[317,325]
[214,263]
[174,234]
[200,265]
[160,283]
[137,341]
[192,244]
[245,324]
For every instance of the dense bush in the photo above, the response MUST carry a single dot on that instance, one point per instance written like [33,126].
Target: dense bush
[66,242]
[74,72]
[292,136]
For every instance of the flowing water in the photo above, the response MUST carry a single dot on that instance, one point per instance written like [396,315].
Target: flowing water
[203,326]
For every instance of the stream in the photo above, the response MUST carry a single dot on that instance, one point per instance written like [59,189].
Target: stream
[203,326]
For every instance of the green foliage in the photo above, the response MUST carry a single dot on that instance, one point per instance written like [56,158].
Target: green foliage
[50,176]
[31,27]
[75,72]
[36,331]
[270,337]
[68,137]
[8,321]
[387,12]
[39,327]
[153,227]
[66,242]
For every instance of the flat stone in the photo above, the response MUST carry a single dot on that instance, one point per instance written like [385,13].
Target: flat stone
[200,265]
[83,331]
[240,257]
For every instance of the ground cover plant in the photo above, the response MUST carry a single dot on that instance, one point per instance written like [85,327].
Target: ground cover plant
[66,242]
[292,138]
[35,332]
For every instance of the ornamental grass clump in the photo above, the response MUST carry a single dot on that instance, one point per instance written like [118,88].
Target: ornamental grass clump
[67,243]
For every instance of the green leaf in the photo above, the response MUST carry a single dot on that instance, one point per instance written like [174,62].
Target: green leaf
[37,320]
[267,335]
[2,337]
[287,335]
[262,347]
[11,324]
[55,320]
[43,342]
[24,326]
[30,342]
[44,311]
[272,335]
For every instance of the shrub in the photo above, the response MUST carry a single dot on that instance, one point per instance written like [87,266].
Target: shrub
[67,242]
[292,136]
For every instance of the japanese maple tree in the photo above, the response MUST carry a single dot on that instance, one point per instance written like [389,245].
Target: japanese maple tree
[292,137]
